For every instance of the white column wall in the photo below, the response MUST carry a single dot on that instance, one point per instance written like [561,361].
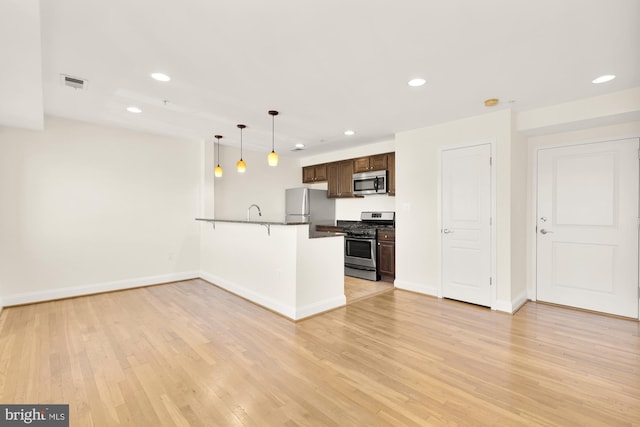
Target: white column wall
[519,212]
[243,259]
[319,274]
[286,271]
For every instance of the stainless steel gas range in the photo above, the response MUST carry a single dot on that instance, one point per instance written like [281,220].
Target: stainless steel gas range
[360,259]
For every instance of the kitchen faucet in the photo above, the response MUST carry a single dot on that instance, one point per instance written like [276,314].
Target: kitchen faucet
[249,211]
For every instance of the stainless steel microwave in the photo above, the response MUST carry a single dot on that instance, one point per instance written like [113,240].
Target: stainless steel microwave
[374,182]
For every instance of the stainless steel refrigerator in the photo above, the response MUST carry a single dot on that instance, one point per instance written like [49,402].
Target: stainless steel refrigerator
[307,205]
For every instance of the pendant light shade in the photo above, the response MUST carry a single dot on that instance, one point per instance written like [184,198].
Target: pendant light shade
[217,172]
[272,158]
[241,166]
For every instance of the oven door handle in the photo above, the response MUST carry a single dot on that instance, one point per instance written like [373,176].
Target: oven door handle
[361,239]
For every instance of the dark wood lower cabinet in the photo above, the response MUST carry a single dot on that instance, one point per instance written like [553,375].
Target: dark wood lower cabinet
[387,254]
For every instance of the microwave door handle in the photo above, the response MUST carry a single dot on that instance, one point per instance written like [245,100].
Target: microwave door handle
[375,184]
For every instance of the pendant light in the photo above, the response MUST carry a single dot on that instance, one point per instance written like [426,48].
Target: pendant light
[272,159]
[217,172]
[241,166]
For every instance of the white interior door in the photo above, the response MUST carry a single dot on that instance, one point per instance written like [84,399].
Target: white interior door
[587,226]
[466,224]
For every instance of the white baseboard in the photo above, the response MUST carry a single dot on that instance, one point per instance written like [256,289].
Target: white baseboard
[519,301]
[96,288]
[320,307]
[264,301]
[511,306]
[502,305]
[416,287]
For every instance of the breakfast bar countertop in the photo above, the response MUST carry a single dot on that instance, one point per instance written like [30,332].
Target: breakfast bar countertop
[313,234]
[244,221]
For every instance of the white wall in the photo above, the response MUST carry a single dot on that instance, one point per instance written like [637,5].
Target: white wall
[587,113]
[261,184]
[350,209]
[417,179]
[21,53]
[350,153]
[87,208]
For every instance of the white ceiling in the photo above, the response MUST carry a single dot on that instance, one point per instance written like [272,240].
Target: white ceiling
[329,65]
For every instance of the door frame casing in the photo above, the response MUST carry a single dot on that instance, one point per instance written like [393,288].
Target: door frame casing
[532,232]
[493,203]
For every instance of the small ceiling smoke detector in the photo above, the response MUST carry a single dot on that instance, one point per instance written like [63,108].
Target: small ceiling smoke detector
[491,102]
[74,82]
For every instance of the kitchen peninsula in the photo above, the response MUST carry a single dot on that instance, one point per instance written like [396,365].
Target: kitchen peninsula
[285,267]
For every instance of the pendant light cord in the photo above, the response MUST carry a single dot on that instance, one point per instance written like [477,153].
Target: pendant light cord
[241,127]
[273,114]
[218,155]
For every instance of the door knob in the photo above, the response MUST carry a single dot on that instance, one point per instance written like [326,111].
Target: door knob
[543,231]
[447,231]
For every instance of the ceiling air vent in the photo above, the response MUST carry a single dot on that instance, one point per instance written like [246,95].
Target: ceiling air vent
[74,82]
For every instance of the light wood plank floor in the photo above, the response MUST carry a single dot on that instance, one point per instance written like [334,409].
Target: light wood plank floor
[358,289]
[190,354]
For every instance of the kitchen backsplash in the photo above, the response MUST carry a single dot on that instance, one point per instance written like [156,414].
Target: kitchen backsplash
[350,209]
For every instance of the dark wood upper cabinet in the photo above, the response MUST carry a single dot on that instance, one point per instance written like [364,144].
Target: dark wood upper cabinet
[320,172]
[339,175]
[391,174]
[333,179]
[370,163]
[340,179]
[379,162]
[314,173]
[361,164]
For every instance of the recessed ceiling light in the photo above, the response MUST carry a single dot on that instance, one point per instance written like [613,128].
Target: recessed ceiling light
[299,145]
[133,109]
[349,132]
[161,77]
[603,79]
[417,82]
